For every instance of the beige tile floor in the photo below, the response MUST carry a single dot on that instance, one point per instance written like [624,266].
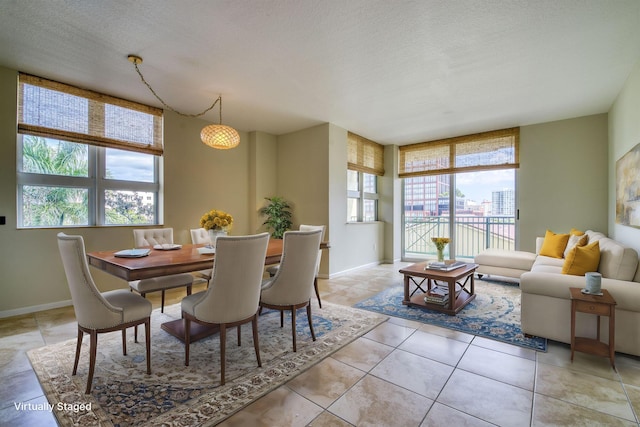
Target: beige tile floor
[402,373]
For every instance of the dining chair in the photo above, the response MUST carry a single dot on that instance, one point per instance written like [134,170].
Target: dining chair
[303,227]
[151,237]
[292,286]
[201,236]
[233,293]
[98,312]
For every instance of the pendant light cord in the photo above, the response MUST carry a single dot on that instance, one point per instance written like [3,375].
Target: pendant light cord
[136,60]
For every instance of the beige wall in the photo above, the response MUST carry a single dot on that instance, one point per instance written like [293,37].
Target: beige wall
[624,134]
[562,180]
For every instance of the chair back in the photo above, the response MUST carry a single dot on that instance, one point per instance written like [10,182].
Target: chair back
[234,289]
[304,227]
[293,283]
[200,235]
[152,236]
[91,309]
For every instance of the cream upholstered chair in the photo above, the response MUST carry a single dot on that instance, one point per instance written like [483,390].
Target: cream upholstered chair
[201,236]
[152,237]
[233,294]
[99,312]
[292,286]
[303,227]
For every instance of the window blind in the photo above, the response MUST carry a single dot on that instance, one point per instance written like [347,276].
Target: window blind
[364,155]
[483,151]
[55,110]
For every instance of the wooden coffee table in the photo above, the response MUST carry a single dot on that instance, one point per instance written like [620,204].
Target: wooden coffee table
[418,275]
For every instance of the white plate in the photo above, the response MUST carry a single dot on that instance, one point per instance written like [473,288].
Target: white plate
[167,247]
[132,253]
[206,250]
[586,292]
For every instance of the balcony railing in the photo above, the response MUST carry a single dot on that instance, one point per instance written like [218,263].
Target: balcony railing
[473,234]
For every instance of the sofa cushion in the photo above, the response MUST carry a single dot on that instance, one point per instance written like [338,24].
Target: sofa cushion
[519,260]
[554,244]
[582,259]
[546,264]
[575,240]
[617,261]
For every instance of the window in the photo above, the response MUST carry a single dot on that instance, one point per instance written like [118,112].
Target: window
[462,188]
[364,165]
[85,159]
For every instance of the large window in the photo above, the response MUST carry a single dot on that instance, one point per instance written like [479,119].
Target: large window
[365,163]
[462,188]
[85,159]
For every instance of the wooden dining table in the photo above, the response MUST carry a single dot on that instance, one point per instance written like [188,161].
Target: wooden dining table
[159,262]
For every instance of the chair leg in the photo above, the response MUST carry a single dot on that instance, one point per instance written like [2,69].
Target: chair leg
[293,326]
[187,340]
[281,318]
[162,302]
[92,358]
[124,342]
[315,285]
[223,348]
[238,335]
[78,346]
[188,290]
[147,335]
[313,334]
[256,345]
[135,333]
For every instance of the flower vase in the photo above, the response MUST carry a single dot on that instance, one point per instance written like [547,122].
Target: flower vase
[440,255]
[214,234]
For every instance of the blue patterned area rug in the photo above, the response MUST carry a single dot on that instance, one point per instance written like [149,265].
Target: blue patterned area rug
[177,395]
[494,313]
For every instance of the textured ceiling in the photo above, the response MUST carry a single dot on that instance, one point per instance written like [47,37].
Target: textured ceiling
[393,71]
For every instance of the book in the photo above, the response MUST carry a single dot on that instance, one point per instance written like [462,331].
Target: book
[444,266]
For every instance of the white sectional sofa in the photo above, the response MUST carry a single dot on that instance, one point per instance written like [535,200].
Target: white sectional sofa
[546,302]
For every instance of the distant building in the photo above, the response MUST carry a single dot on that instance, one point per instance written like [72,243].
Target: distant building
[503,203]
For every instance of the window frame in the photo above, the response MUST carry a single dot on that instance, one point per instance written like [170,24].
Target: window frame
[361,196]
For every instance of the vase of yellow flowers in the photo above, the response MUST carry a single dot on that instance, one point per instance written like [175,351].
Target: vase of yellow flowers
[440,243]
[217,222]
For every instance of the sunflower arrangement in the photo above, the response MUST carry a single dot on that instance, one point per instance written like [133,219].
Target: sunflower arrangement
[216,220]
[440,242]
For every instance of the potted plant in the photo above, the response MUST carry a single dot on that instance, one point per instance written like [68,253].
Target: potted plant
[278,213]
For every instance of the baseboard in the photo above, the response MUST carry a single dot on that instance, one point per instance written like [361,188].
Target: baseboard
[34,308]
[350,270]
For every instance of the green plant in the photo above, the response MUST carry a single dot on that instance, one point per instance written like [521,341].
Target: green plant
[278,213]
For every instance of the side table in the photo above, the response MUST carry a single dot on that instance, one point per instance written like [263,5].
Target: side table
[600,305]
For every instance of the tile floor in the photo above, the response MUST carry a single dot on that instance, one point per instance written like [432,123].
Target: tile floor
[402,373]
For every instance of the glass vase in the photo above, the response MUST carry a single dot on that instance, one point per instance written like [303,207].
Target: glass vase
[440,255]
[214,234]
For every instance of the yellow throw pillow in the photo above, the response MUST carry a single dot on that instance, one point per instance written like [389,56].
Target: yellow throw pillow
[554,244]
[576,232]
[582,259]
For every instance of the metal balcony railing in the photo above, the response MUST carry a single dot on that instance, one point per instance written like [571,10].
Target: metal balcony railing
[473,234]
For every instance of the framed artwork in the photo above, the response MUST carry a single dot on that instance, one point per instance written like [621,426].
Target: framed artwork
[628,188]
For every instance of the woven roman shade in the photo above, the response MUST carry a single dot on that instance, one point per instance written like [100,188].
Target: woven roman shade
[55,110]
[364,155]
[480,152]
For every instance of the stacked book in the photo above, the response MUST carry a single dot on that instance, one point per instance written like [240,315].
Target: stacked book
[444,265]
[437,295]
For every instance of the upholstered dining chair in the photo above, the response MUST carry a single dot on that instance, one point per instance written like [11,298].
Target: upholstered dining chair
[98,312]
[201,236]
[291,287]
[303,227]
[233,293]
[151,237]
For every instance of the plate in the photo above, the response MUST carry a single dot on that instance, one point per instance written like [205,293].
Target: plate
[132,253]
[167,247]
[586,292]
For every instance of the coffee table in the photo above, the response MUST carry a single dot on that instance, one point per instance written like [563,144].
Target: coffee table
[460,278]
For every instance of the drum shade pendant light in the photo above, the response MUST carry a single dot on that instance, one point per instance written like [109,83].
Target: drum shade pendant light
[216,136]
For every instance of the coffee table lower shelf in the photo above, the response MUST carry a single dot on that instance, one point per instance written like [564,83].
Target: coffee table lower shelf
[461,301]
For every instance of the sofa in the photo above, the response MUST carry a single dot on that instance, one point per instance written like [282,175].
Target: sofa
[545,297]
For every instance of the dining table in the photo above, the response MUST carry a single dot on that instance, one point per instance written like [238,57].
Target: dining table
[179,259]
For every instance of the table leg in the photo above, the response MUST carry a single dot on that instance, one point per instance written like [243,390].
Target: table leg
[573,327]
[612,336]
[406,290]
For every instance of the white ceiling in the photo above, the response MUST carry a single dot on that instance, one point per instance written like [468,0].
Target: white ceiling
[390,70]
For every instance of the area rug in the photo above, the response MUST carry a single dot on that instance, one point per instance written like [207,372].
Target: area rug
[494,313]
[176,395]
